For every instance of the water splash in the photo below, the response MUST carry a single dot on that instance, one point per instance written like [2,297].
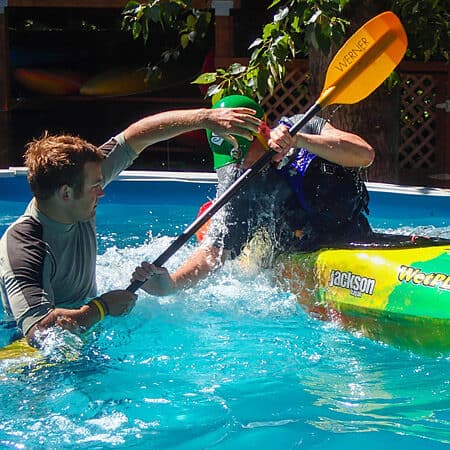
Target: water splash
[232,363]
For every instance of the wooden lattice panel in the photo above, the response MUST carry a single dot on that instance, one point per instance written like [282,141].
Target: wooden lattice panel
[417,122]
[290,97]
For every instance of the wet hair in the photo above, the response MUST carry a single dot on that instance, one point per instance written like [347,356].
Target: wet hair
[57,160]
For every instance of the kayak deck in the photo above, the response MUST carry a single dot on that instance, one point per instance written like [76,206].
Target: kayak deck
[396,294]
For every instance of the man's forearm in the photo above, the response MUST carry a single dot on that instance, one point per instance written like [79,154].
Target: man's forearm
[340,147]
[75,320]
[201,264]
[163,126]
[225,122]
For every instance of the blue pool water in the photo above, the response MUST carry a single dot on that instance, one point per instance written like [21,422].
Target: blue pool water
[233,363]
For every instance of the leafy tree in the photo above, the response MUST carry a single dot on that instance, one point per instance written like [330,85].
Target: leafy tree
[313,28]
[181,26]
[302,27]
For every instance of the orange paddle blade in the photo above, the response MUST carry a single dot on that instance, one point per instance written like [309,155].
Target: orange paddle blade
[365,60]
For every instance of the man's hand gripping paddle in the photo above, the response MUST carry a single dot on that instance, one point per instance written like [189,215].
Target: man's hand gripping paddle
[365,60]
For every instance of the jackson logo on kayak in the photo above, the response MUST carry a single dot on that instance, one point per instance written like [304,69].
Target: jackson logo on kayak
[408,274]
[356,284]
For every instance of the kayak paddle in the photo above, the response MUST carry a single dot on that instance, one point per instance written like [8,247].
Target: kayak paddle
[365,60]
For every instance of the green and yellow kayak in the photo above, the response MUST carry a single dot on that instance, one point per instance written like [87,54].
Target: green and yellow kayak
[393,290]
[17,349]
[398,293]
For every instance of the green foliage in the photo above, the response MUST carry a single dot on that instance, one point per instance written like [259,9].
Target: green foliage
[168,17]
[295,27]
[427,25]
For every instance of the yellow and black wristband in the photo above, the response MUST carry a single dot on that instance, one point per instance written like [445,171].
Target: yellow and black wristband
[101,306]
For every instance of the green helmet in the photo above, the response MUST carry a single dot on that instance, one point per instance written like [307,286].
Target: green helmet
[223,151]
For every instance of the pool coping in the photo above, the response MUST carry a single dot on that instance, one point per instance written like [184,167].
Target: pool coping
[208,177]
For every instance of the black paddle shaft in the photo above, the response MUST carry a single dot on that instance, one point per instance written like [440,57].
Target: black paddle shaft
[253,170]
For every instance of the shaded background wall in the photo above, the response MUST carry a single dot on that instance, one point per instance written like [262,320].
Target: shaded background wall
[89,40]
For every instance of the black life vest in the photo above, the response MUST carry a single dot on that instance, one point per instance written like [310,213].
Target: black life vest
[330,194]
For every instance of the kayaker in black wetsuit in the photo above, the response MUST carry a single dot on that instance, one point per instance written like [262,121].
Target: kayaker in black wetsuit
[315,200]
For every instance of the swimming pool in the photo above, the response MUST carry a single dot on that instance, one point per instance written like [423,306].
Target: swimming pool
[232,363]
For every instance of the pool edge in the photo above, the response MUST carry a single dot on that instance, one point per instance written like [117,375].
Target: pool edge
[211,177]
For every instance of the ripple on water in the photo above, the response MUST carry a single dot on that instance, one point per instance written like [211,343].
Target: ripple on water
[231,363]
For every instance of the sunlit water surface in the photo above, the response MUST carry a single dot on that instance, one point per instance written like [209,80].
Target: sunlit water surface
[234,363]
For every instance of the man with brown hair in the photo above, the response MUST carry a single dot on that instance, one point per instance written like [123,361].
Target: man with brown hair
[48,256]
